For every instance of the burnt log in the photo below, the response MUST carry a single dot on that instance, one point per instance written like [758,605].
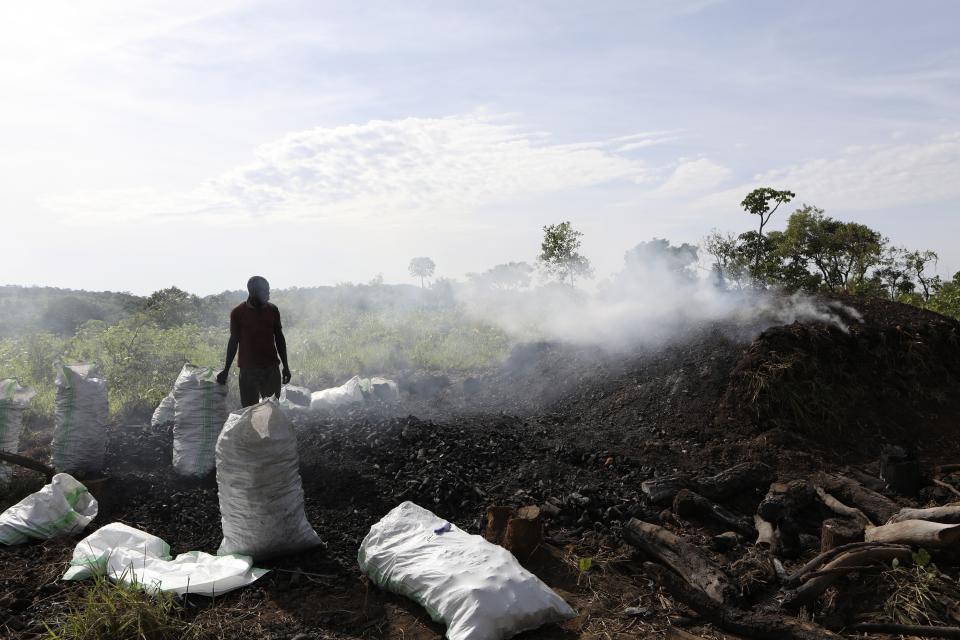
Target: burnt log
[28,463]
[661,491]
[876,506]
[913,630]
[836,532]
[745,477]
[688,504]
[765,626]
[900,470]
[690,562]
[784,499]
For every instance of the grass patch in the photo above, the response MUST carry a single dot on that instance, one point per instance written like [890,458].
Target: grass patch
[117,611]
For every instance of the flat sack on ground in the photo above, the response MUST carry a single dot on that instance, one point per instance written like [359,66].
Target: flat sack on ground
[63,507]
[13,400]
[349,392]
[128,555]
[82,413]
[259,485]
[477,589]
[200,407]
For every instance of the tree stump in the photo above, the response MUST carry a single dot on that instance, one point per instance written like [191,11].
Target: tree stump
[524,532]
[900,471]
[496,528]
[836,532]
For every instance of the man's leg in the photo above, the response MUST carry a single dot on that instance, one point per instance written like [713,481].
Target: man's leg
[249,387]
[270,383]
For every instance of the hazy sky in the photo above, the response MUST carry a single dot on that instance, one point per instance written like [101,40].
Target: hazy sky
[146,144]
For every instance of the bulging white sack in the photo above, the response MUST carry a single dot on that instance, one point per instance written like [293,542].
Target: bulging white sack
[128,555]
[200,409]
[165,412]
[347,393]
[258,479]
[477,589]
[60,508]
[13,400]
[82,413]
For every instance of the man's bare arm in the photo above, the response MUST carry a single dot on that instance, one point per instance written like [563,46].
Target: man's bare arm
[282,351]
[232,346]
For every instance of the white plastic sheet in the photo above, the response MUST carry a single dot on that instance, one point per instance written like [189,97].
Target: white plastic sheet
[200,409]
[348,393]
[476,588]
[258,482]
[13,400]
[164,413]
[62,507]
[128,555]
[82,413]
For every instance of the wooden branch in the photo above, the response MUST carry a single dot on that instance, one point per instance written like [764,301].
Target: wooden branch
[836,532]
[944,469]
[877,507]
[661,491]
[841,509]
[784,499]
[811,589]
[695,567]
[907,630]
[949,487]
[918,533]
[28,463]
[949,514]
[688,504]
[826,557]
[842,571]
[764,626]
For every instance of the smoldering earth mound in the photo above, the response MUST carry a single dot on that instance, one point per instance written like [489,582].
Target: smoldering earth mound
[574,429]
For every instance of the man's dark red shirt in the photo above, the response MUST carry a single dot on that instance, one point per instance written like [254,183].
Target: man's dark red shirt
[255,327]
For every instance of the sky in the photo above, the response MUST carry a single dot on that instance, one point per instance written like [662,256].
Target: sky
[155,143]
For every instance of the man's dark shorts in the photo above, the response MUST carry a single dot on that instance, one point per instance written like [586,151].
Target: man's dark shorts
[259,383]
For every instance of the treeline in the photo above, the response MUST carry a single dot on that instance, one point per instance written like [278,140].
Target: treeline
[817,253]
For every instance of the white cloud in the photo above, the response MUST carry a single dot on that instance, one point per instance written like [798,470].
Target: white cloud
[876,177]
[386,170]
[693,176]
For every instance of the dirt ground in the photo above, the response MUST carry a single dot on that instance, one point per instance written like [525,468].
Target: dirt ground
[574,428]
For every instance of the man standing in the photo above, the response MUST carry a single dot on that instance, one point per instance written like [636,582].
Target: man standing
[255,329]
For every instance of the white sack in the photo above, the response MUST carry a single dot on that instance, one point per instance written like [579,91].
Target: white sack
[299,396]
[381,389]
[347,393]
[82,413]
[477,589]
[258,480]
[200,409]
[165,412]
[62,507]
[13,400]
[128,555]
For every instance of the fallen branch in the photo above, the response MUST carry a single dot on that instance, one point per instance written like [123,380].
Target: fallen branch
[946,485]
[742,478]
[29,463]
[812,588]
[877,507]
[949,514]
[840,571]
[686,560]
[688,504]
[918,533]
[841,509]
[825,557]
[907,630]
[765,626]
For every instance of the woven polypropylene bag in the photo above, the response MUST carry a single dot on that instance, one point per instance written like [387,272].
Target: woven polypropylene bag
[13,400]
[82,413]
[200,407]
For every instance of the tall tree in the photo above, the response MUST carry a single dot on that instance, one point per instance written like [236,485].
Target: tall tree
[917,263]
[680,260]
[559,253]
[893,273]
[422,268]
[762,202]
[512,275]
[724,247]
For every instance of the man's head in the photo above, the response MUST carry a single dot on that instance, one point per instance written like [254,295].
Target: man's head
[259,290]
